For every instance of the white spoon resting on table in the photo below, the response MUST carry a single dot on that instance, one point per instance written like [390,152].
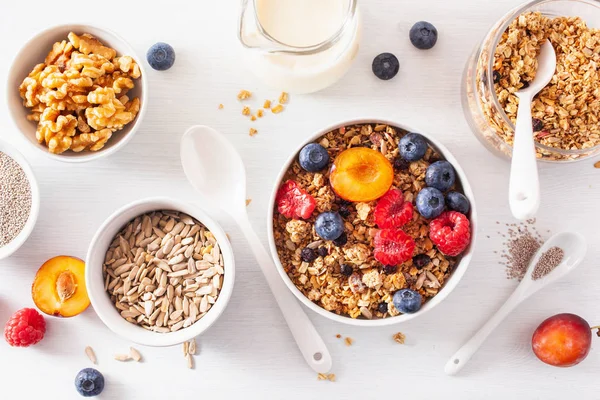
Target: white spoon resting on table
[574,247]
[215,169]
[524,187]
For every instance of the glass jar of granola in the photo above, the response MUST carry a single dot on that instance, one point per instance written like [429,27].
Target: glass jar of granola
[566,113]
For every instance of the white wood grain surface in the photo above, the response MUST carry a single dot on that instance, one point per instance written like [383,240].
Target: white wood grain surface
[249,353]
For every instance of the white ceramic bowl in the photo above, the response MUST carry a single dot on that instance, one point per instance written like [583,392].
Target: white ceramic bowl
[18,241]
[34,52]
[100,299]
[449,285]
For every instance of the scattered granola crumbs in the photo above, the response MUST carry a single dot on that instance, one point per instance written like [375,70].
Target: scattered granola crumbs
[283,98]
[597,165]
[260,113]
[267,104]
[248,201]
[253,132]
[331,377]
[348,341]
[338,336]
[253,118]
[326,377]
[399,337]
[221,106]
[244,94]
[246,110]
[277,109]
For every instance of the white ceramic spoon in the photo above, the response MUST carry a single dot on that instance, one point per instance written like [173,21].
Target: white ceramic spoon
[574,247]
[524,187]
[215,169]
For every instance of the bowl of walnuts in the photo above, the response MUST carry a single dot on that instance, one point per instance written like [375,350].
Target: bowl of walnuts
[77,92]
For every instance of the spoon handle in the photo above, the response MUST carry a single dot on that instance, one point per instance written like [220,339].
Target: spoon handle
[464,354]
[307,338]
[524,187]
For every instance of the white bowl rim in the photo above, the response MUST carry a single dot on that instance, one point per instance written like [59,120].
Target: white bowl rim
[123,328]
[11,151]
[87,156]
[449,285]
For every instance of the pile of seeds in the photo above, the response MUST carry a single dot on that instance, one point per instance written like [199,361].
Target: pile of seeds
[15,199]
[523,241]
[547,262]
[163,271]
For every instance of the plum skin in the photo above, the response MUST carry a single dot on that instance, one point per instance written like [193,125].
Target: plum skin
[563,340]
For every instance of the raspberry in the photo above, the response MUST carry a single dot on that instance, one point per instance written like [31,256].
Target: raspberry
[450,232]
[25,328]
[392,211]
[294,202]
[393,246]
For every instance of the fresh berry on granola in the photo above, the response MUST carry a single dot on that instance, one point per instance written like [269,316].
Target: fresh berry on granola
[440,175]
[457,202]
[361,174]
[430,202]
[383,248]
[392,246]
[407,301]
[451,233]
[313,157]
[294,202]
[413,147]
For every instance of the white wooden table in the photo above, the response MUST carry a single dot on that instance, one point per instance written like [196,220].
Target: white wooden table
[249,352]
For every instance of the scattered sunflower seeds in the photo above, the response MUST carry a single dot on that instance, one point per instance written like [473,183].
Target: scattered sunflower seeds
[135,355]
[123,357]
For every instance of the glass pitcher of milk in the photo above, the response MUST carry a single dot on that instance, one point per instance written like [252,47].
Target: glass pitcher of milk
[299,46]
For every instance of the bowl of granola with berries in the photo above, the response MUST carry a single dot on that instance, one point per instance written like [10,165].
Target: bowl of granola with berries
[371,223]
[77,92]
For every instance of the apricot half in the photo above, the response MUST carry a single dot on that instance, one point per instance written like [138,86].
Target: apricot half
[361,174]
[59,287]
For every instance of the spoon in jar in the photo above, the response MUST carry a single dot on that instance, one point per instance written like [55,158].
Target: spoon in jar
[524,187]
[573,248]
[216,171]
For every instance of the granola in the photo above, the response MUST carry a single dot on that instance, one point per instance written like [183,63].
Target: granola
[371,285]
[78,96]
[566,112]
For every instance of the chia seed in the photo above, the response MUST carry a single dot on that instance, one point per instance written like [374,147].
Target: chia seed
[547,262]
[523,241]
[15,199]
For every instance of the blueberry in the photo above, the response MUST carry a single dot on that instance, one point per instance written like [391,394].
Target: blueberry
[342,240]
[346,269]
[412,147]
[161,56]
[344,211]
[423,35]
[89,382]
[400,164]
[496,77]
[329,225]
[390,269]
[430,202]
[421,260]
[440,175]
[322,251]
[382,307]
[457,202]
[538,125]
[407,301]
[313,157]
[308,255]
[385,66]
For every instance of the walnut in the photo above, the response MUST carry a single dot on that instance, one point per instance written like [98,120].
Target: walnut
[60,54]
[298,230]
[56,130]
[91,141]
[372,279]
[128,65]
[87,44]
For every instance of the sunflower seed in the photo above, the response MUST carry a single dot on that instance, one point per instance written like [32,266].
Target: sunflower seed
[135,355]
[123,357]
[91,355]
[192,347]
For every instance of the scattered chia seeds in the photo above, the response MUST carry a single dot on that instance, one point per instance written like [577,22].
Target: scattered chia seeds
[523,241]
[15,199]
[547,262]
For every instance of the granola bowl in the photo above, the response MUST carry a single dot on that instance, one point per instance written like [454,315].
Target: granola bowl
[566,112]
[142,283]
[77,102]
[343,279]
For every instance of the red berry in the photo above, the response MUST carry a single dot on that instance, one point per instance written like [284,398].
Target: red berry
[450,232]
[392,246]
[294,202]
[392,211]
[25,328]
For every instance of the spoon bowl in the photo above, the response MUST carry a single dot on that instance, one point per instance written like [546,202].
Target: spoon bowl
[574,248]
